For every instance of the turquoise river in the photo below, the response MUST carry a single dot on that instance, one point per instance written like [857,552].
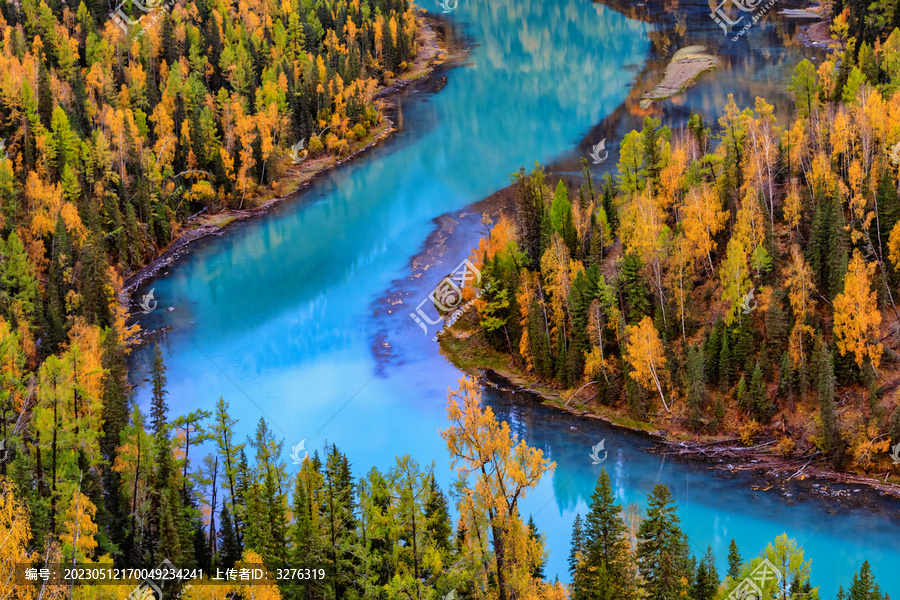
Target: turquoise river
[302,316]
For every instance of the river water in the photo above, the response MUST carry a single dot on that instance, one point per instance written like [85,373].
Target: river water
[302,316]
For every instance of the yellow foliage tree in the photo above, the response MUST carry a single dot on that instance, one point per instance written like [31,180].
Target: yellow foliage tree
[702,218]
[15,535]
[79,529]
[557,271]
[494,474]
[645,353]
[733,274]
[856,314]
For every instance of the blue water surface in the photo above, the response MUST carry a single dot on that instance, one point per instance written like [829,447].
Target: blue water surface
[278,315]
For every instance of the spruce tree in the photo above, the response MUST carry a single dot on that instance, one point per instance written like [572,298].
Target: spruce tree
[663,559]
[741,395]
[726,361]
[437,516]
[307,542]
[760,402]
[706,583]
[864,586]
[888,214]
[824,374]
[577,550]
[734,560]
[635,289]
[338,513]
[229,551]
[776,322]
[695,385]
[711,349]
[537,571]
[895,427]
[390,50]
[163,534]
[785,377]
[606,546]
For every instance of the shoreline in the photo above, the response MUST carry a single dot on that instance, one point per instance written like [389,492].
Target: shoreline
[719,452]
[435,52]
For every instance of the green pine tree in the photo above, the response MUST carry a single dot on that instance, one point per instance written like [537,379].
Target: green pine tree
[663,559]
[734,560]
[864,586]
[577,545]
[823,370]
[606,547]
[706,582]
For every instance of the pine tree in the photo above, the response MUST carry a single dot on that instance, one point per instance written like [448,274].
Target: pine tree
[712,346]
[537,569]
[760,402]
[437,516]
[823,369]
[606,547]
[864,586]
[741,395]
[662,553]
[390,50]
[577,550]
[635,289]
[726,361]
[229,551]
[165,505]
[695,385]
[706,583]
[734,560]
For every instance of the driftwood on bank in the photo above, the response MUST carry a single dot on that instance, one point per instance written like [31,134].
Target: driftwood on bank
[762,457]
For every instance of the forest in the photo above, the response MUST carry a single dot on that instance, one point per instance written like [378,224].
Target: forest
[112,140]
[386,534]
[740,285]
